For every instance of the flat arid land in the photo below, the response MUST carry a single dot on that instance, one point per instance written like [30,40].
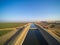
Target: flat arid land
[7,30]
[42,33]
[53,28]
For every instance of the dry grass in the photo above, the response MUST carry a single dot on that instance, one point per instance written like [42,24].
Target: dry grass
[55,29]
[57,32]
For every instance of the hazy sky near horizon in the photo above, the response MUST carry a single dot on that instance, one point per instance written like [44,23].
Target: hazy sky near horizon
[29,10]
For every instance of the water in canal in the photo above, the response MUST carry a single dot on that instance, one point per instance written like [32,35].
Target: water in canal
[34,37]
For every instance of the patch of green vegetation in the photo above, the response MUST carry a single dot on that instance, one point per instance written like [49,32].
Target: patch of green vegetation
[3,32]
[10,25]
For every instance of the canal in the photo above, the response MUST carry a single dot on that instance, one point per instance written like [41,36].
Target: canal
[34,37]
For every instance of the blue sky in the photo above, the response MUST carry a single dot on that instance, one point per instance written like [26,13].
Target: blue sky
[29,10]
